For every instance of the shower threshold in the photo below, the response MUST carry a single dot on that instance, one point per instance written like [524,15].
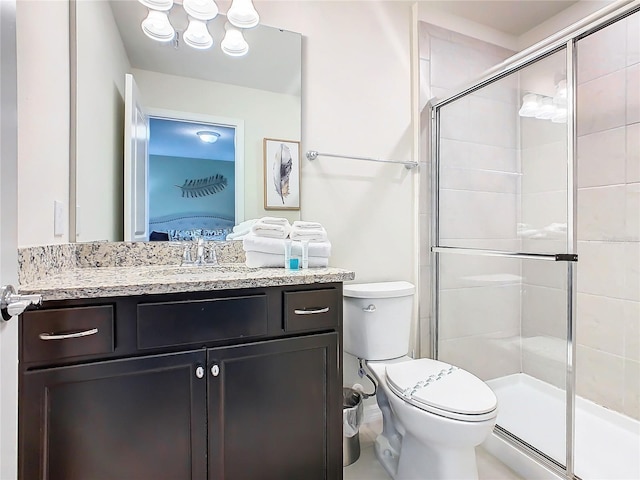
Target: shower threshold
[606,442]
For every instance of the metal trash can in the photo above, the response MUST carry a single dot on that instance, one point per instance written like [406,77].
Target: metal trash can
[351,420]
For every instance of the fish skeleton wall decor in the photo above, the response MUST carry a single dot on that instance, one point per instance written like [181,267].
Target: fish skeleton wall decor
[203,186]
[282,170]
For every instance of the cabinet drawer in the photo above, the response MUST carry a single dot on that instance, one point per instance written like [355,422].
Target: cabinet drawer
[67,332]
[312,309]
[197,322]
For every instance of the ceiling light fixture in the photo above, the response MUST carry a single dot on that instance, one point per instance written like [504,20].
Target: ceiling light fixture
[241,15]
[208,136]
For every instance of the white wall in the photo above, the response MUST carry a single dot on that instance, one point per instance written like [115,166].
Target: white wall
[429,13]
[102,63]
[43,118]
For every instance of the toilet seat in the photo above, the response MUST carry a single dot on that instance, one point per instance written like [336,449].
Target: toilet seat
[442,389]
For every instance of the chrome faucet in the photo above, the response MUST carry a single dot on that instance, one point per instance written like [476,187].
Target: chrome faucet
[205,254]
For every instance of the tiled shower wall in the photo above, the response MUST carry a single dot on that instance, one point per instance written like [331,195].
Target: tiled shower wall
[449,60]
[608,321]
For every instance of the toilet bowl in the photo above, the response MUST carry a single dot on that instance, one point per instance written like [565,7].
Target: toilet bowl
[434,414]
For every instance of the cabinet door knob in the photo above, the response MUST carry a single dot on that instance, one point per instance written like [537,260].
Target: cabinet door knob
[199,371]
[215,370]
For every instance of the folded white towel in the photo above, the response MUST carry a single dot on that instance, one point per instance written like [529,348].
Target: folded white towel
[273,227]
[275,221]
[307,225]
[265,260]
[253,243]
[311,234]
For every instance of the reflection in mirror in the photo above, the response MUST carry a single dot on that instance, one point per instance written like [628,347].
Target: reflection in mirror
[192,179]
[261,89]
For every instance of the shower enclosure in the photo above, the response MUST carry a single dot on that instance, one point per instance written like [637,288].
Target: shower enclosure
[536,245]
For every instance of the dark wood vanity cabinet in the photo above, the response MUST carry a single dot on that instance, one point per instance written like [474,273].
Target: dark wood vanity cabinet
[241,384]
[135,418]
[270,410]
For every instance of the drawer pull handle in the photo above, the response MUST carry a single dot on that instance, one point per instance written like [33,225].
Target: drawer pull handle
[65,336]
[312,311]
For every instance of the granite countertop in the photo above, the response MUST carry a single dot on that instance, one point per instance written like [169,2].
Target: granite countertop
[78,283]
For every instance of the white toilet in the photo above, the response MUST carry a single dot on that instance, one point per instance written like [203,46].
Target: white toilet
[434,414]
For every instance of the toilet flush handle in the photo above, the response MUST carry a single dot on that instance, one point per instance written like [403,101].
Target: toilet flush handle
[371,308]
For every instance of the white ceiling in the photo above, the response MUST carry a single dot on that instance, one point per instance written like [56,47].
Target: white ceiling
[514,17]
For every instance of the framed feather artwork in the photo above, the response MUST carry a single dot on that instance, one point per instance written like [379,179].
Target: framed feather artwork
[281,174]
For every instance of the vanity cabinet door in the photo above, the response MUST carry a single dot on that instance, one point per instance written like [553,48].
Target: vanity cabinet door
[138,418]
[275,410]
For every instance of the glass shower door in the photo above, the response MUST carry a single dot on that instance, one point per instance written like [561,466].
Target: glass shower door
[502,236]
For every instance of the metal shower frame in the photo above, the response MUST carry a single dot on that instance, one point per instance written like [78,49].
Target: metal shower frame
[563,40]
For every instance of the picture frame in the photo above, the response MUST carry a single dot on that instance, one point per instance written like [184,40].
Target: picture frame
[281,174]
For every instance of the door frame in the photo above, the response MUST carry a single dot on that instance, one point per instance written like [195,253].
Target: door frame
[8,238]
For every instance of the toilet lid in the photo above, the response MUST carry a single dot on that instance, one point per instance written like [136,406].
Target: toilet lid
[430,384]
[378,290]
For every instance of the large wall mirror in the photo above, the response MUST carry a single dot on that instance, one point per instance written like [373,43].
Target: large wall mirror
[254,97]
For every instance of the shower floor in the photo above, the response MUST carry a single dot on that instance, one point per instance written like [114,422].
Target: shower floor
[607,443]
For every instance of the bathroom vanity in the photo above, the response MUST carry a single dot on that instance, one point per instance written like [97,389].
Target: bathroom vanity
[229,374]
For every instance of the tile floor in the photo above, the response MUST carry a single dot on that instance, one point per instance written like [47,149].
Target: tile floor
[368,468]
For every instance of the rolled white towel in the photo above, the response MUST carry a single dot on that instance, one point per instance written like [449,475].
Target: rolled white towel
[311,234]
[244,226]
[253,243]
[307,225]
[237,235]
[267,260]
[273,227]
[242,229]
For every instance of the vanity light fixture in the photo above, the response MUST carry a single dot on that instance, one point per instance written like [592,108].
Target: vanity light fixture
[157,26]
[196,35]
[546,110]
[530,105]
[233,43]
[241,14]
[543,107]
[162,5]
[208,136]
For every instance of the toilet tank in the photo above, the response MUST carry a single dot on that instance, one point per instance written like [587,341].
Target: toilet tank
[377,319]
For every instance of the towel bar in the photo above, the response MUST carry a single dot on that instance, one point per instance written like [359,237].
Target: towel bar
[313,154]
